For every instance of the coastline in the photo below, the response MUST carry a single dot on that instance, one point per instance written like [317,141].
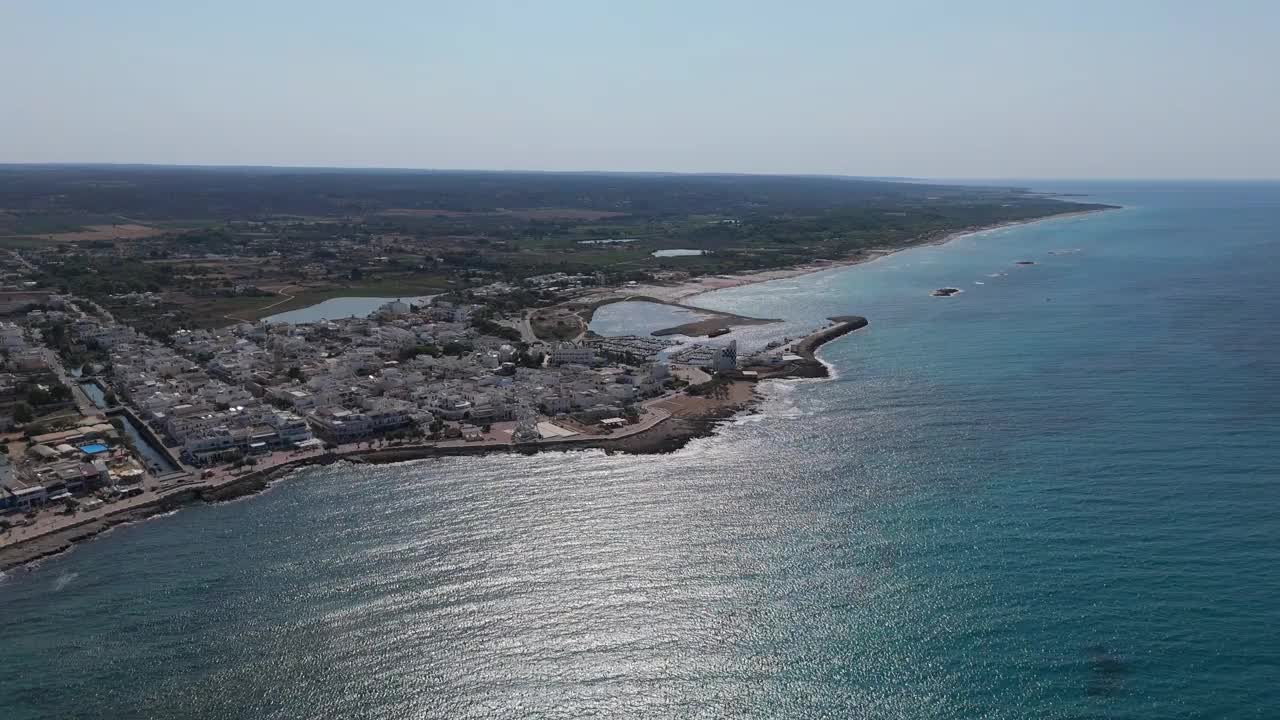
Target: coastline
[673,422]
[682,418]
[678,293]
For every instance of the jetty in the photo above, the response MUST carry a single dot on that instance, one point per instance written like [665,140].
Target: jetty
[798,359]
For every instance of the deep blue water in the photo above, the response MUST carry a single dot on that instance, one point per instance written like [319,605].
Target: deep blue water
[1052,496]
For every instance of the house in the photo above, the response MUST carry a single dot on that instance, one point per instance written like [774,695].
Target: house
[291,429]
[340,426]
[393,308]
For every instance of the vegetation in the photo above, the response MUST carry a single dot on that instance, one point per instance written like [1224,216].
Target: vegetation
[410,353]
[716,388]
[218,245]
[23,413]
[489,327]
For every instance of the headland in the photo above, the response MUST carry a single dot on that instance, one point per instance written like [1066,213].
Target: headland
[667,424]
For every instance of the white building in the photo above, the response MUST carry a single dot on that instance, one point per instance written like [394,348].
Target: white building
[393,308]
[726,358]
[570,354]
[291,428]
[340,426]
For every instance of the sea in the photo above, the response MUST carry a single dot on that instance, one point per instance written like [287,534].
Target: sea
[1055,494]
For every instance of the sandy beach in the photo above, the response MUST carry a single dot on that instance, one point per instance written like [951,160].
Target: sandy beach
[678,292]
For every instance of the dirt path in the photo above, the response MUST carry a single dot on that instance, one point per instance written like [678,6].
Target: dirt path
[286,297]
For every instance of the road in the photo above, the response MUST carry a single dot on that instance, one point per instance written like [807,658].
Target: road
[22,261]
[286,298]
[523,325]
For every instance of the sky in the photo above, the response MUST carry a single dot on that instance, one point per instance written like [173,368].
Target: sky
[972,89]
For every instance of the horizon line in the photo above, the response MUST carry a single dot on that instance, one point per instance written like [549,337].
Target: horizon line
[691,173]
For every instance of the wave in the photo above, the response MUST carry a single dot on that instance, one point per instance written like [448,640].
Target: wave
[64,580]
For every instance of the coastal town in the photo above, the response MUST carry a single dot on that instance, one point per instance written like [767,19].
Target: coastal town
[152,357]
[103,421]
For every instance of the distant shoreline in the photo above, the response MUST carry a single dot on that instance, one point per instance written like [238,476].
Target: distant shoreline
[678,293]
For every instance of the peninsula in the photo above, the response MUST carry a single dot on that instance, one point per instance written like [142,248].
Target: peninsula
[661,424]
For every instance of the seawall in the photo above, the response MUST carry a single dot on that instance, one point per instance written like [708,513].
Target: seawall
[809,366]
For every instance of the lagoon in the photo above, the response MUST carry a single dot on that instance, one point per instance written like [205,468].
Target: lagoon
[677,252]
[637,317]
[339,308]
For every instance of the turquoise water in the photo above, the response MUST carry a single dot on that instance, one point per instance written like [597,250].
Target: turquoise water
[1052,496]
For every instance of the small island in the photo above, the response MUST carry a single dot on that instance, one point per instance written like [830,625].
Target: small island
[945,292]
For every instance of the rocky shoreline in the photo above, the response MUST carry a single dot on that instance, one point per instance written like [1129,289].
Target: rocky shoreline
[63,539]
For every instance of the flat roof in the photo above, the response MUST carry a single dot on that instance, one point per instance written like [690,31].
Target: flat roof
[55,436]
[93,448]
[550,430]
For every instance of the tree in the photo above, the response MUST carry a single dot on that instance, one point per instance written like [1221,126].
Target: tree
[295,373]
[456,348]
[37,395]
[22,413]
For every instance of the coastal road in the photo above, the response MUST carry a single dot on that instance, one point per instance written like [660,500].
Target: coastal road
[49,521]
[526,328]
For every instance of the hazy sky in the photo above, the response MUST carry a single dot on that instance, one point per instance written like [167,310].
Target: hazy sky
[955,88]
